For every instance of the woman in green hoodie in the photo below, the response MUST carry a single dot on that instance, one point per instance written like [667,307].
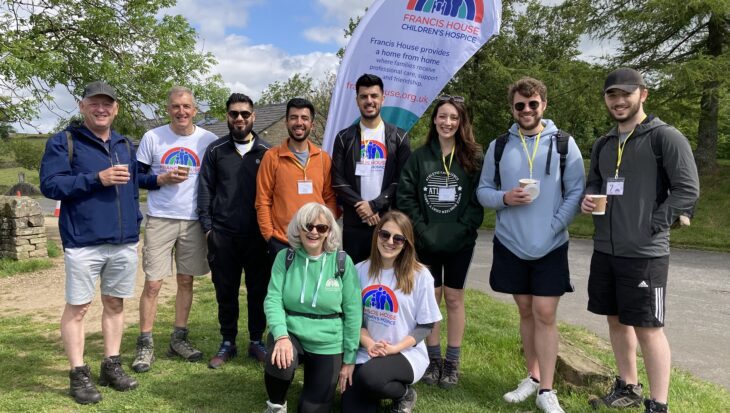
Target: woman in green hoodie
[314,313]
[437,190]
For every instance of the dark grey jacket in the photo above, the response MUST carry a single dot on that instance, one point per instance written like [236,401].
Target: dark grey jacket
[635,224]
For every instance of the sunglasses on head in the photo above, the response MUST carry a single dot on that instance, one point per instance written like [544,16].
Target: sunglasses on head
[459,99]
[386,235]
[533,104]
[234,114]
[321,228]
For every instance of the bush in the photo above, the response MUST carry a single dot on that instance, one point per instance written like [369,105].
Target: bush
[28,153]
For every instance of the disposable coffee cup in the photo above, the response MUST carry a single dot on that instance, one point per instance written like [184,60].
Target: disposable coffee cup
[531,186]
[600,201]
[183,169]
[122,165]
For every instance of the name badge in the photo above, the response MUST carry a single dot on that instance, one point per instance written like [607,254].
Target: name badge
[447,194]
[363,169]
[615,186]
[305,187]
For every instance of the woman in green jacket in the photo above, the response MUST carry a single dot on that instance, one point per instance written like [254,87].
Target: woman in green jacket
[437,190]
[314,313]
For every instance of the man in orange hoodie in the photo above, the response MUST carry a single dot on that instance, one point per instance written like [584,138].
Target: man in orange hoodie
[290,175]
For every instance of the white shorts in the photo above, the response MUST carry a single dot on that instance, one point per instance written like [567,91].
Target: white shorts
[116,265]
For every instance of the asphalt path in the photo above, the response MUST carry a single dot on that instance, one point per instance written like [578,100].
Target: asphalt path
[697,305]
[697,311]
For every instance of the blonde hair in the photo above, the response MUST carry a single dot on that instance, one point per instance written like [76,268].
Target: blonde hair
[307,214]
[406,264]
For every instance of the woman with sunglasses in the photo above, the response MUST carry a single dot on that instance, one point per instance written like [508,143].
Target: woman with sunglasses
[437,191]
[399,311]
[314,313]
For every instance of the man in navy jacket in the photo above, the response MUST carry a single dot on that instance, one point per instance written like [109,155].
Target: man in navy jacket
[92,170]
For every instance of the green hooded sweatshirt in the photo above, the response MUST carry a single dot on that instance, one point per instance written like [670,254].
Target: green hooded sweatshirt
[312,286]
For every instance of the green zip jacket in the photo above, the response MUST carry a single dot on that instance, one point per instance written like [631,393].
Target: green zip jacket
[440,225]
[309,288]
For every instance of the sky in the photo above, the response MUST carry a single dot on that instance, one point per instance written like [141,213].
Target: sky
[257,42]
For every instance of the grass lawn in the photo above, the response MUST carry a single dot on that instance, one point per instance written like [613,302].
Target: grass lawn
[34,375]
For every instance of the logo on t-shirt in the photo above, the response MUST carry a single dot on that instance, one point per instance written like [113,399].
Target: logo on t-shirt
[180,156]
[380,304]
[434,182]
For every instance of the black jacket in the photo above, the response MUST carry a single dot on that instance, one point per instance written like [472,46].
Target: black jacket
[346,153]
[227,188]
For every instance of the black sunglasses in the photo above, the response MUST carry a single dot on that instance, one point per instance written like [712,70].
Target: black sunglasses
[386,235]
[533,104]
[458,99]
[244,114]
[321,228]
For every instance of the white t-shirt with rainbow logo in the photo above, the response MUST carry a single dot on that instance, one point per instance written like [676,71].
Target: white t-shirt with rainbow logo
[373,152]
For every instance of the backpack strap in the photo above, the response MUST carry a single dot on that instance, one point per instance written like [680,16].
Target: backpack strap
[499,145]
[289,257]
[598,147]
[662,179]
[562,140]
[70,144]
[341,259]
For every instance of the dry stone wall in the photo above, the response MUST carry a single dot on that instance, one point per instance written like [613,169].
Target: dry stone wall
[22,230]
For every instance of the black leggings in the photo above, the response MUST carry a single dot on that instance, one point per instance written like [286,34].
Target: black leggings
[378,378]
[321,372]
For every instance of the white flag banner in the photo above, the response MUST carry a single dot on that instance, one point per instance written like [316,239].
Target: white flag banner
[416,47]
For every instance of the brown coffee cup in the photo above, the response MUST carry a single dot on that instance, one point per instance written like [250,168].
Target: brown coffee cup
[183,169]
[600,201]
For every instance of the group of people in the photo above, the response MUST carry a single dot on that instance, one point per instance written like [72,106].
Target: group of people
[358,305]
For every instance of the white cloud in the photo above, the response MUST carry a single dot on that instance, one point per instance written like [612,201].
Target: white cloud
[342,10]
[213,18]
[326,35]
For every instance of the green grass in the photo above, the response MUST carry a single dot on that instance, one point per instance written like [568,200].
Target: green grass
[9,267]
[34,375]
[53,249]
[709,229]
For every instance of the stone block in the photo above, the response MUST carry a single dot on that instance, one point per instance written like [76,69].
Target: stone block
[28,231]
[38,240]
[39,253]
[578,368]
[36,220]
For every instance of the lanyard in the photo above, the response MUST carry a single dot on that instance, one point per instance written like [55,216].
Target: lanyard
[530,160]
[621,146]
[447,168]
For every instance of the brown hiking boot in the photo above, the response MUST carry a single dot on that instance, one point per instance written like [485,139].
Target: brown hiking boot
[82,388]
[180,346]
[432,376]
[112,374]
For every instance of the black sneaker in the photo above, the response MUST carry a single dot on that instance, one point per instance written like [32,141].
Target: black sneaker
[82,389]
[432,376]
[653,406]
[622,395]
[112,374]
[257,351]
[450,374]
[406,403]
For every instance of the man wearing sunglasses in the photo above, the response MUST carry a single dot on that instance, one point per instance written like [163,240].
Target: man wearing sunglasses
[226,199]
[636,164]
[367,160]
[530,258]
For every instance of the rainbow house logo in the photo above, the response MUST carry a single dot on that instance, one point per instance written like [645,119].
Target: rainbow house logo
[180,156]
[380,297]
[372,150]
[464,9]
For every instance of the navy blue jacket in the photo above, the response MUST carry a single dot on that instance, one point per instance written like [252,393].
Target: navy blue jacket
[91,214]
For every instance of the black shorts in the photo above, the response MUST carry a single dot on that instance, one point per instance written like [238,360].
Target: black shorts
[449,269]
[634,289]
[548,276]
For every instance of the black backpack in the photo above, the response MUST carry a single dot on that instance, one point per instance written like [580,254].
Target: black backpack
[560,137]
[341,258]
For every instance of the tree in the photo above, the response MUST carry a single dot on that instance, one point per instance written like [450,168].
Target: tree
[5,131]
[69,43]
[684,50]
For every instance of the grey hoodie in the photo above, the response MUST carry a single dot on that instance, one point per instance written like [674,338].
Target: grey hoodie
[635,225]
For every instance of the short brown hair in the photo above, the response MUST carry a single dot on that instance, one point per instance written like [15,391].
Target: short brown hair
[527,87]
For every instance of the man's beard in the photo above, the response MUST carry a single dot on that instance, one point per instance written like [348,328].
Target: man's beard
[631,111]
[239,135]
[370,117]
[530,126]
[303,138]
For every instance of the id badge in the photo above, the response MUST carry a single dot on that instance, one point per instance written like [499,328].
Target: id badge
[615,186]
[447,194]
[305,187]
[363,169]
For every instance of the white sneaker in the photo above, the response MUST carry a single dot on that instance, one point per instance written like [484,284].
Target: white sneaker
[275,408]
[525,389]
[548,402]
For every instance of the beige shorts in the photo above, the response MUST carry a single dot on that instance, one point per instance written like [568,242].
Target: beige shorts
[164,237]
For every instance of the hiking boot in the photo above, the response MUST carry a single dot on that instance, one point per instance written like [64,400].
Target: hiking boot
[406,403]
[621,395]
[525,389]
[449,374]
[145,354]
[548,402]
[112,374]
[82,389]
[433,372]
[275,408]
[180,346]
[652,406]
[226,352]
[256,350]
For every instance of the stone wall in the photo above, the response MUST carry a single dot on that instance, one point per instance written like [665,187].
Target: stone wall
[22,232]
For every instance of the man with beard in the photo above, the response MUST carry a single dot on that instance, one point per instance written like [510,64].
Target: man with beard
[367,160]
[530,257]
[636,164]
[226,199]
[169,159]
[291,175]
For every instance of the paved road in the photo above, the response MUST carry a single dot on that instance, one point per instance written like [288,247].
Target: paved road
[698,304]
